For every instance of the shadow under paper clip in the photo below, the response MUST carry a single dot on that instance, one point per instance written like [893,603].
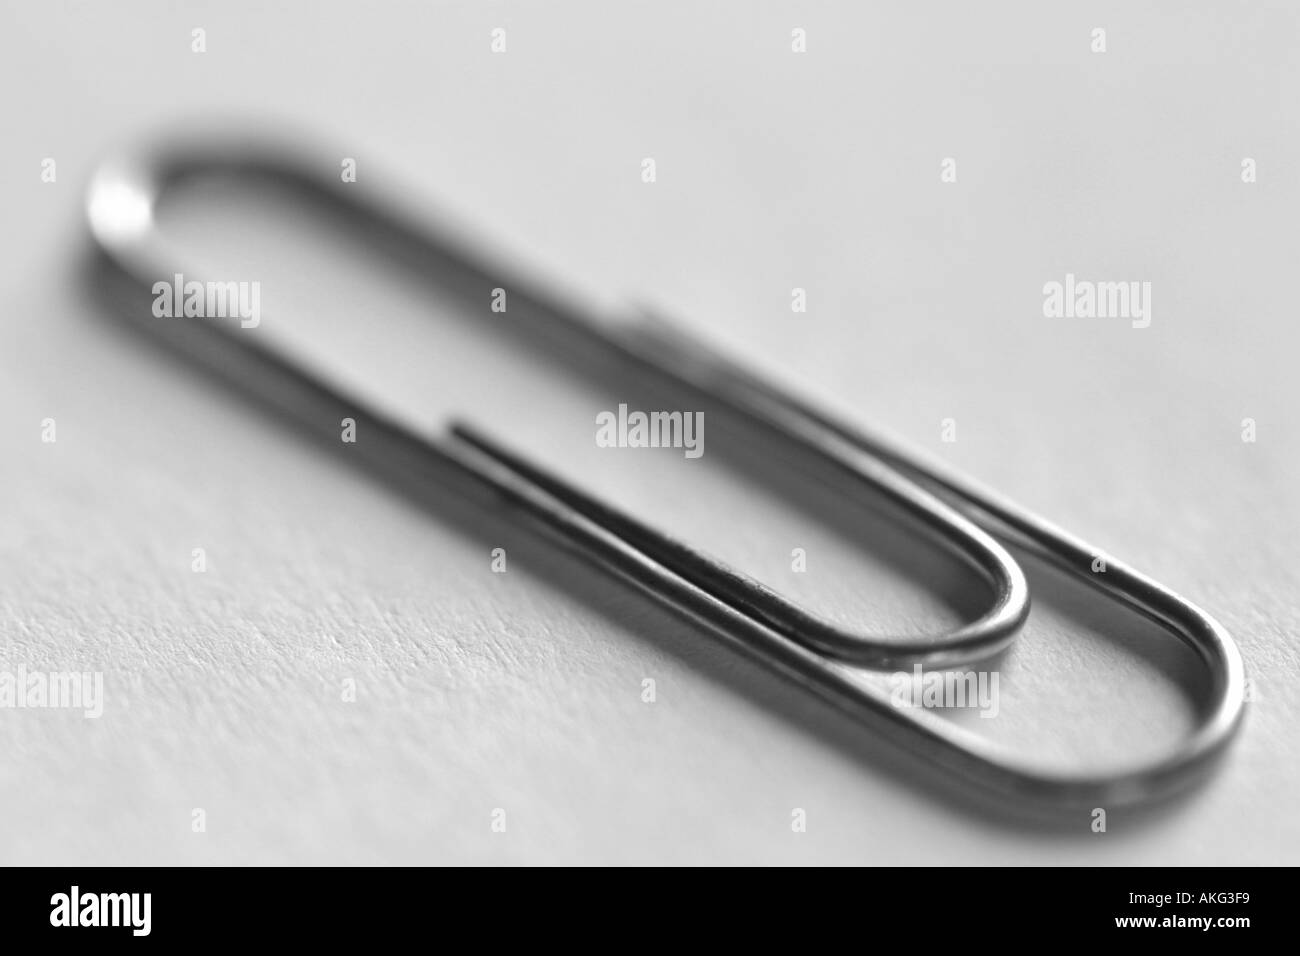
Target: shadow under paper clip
[947,509]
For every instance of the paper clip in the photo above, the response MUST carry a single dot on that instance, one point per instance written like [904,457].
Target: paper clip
[951,510]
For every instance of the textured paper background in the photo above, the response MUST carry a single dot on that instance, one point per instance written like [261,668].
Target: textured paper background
[522,690]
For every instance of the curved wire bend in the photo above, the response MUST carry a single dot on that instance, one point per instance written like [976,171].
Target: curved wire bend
[953,511]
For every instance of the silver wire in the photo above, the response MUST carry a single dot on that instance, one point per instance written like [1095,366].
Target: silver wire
[949,509]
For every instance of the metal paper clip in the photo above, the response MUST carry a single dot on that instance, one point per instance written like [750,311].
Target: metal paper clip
[949,509]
